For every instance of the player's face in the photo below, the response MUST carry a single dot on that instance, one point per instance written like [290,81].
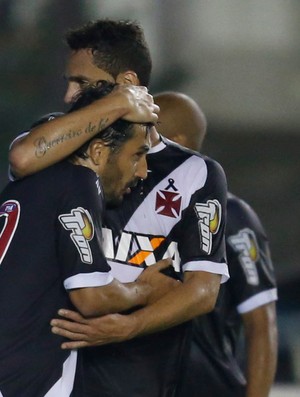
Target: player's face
[81,72]
[125,167]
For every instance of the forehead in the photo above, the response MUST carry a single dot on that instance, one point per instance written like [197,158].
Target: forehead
[140,139]
[80,65]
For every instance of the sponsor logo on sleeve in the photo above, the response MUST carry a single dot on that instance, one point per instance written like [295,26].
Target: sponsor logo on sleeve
[245,243]
[209,215]
[80,224]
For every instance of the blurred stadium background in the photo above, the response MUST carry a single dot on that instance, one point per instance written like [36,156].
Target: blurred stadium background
[239,60]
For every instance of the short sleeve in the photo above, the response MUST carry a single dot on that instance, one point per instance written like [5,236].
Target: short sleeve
[78,223]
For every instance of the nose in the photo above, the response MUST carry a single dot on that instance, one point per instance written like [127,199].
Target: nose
[70,94]
[141,170]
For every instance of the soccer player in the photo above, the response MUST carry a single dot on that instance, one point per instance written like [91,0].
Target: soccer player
[51,254]
[246,301]
[178,211]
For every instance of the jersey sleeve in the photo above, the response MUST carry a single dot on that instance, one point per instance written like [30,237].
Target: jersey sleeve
[252,274]
[202,241]
[79,232]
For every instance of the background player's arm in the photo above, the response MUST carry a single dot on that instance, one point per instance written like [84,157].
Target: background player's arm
[117,297]
[261,343]
[51,142]
[195,296]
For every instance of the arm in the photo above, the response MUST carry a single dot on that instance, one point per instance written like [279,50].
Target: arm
[261,342]
[51,142]
[196,296]
[117,297]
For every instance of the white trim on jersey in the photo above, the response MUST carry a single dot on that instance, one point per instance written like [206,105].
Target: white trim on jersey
[124,273]
[128,273]
[64,386]
[157,148]
[257,300]
[208,266]
[86,280]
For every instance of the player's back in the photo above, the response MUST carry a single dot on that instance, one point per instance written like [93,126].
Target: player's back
[31,288]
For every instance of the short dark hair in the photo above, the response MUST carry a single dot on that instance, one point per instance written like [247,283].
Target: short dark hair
[115,134]
[117,46]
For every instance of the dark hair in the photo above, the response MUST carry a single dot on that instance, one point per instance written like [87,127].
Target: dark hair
[117,46]
[115,134]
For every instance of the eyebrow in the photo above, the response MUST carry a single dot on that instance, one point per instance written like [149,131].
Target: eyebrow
[77,79]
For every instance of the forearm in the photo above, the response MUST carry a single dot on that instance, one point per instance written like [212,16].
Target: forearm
[52,141]
[112,298]
[196,296]
[261,342]
[117,297]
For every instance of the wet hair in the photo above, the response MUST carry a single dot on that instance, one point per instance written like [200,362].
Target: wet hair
[115,134]
[117,46]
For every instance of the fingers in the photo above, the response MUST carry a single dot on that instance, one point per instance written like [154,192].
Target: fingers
[68,330]
[74,327]
[74,345]
[156,108]
[163,264]
[71,315]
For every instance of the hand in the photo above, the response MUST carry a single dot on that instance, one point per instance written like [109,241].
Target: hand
[139,103]
[98,331]
[160,283]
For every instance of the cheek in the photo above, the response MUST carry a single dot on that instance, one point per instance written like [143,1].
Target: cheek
[71,91]
[128,167]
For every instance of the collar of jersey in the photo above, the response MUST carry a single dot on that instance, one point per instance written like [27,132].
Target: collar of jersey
[157,148]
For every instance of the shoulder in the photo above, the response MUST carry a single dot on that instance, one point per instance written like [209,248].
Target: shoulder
[194,158]
[241,214]
[65,175]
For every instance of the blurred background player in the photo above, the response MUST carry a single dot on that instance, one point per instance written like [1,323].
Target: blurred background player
[246,301]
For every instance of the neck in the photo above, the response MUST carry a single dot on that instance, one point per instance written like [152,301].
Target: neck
[84,163]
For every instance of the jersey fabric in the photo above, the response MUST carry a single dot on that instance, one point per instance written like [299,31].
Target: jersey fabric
[212,367]
[178,212]
[50,236]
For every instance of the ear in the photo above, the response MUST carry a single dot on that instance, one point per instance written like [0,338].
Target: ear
[95,149]
[128,77]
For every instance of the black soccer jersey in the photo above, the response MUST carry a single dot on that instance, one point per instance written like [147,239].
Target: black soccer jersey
[178,212]
[50,230]
[212,368]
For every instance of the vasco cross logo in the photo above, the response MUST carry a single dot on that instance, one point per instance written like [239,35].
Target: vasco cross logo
[209,215]
[80,223]
[168,203]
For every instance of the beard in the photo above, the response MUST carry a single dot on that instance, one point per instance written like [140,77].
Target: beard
[113,203]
